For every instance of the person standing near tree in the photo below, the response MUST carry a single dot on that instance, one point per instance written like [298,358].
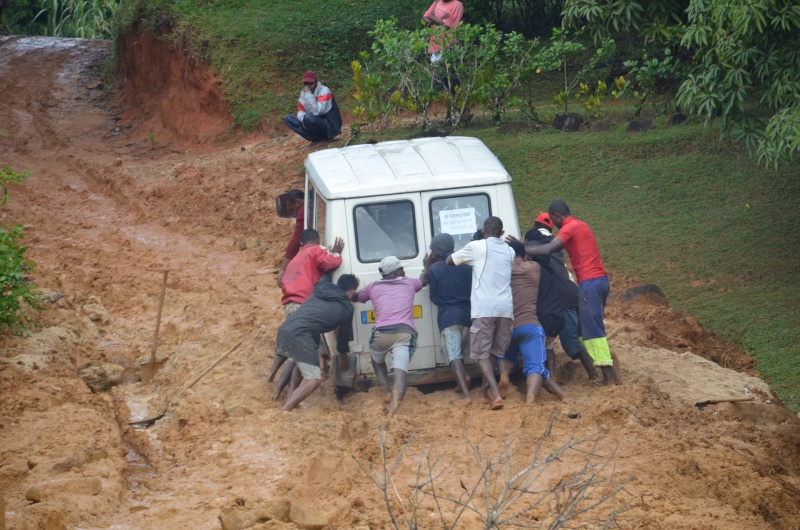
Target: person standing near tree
[491,304]
[446,14]
[393,300]
[578,239]
[450,290]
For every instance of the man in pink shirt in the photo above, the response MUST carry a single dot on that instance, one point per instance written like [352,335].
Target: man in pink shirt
[393,300]
[444,13]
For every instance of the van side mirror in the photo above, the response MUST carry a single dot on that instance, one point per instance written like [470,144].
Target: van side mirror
[282,206]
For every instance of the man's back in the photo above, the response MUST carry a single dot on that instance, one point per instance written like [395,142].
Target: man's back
[490,260]
[305,270]
[525,277]
[581,245]
[450,289]
[393,300]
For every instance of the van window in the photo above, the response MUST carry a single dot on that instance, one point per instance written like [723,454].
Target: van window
[385,229]
[460,216]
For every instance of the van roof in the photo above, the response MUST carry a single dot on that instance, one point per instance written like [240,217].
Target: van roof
[402,166]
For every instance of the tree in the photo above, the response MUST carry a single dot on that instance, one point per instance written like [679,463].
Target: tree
[748,72]
[648,20]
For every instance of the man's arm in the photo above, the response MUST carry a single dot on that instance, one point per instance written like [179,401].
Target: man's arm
[426,263]
[331,258]
[319,104]
[544,250]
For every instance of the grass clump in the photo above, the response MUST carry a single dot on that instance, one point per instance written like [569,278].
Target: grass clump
[261,48]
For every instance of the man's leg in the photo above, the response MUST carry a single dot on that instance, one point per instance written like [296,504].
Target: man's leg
[284,379]
[452,343]
[401,359]
[295,380]
[591,298]
[480,344]
[312,379]
[296,125]
[506,365]
[494,343]
[534,385]
[279,360]
[572,344]
[316,128]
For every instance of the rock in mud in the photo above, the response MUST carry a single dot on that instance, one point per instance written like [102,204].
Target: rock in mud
[243,517]
[101,377]
[51,489]
[80,459]
[96,313]
[676,119]
[305,515]
[238,411]
[650,293]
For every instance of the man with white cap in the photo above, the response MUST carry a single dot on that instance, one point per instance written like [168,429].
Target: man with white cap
[318,118]
[393,300]
[450,290]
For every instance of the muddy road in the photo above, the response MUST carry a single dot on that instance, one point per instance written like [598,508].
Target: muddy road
[115,198]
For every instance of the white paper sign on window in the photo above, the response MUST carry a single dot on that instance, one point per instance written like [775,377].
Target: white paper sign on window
[455,222]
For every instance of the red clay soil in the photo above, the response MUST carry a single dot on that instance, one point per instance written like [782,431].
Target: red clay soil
[106,210]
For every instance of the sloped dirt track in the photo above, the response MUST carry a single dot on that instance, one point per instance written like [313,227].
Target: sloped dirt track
[107,209]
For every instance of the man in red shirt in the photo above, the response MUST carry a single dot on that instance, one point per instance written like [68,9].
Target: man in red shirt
[578,239]
[299,279]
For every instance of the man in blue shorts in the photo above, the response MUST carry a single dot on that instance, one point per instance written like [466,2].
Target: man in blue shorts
[527,337]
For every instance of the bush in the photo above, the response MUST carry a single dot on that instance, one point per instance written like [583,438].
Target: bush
[17,293]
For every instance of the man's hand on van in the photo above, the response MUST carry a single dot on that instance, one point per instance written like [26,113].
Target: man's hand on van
[338,246]
[512,239]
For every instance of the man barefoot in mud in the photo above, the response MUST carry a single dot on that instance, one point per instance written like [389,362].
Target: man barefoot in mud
[298,283]
[329,307]
[556,277]
[491,305]
[393,300]
[578,239]
[295,200]
[527,338]
[318,118]
[450,290]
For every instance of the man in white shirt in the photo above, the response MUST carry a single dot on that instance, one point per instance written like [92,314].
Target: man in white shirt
[492,307]
[318,118]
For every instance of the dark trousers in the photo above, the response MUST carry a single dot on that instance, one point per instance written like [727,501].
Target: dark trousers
[315,130]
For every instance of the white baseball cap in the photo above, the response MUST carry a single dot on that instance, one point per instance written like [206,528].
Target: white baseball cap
[389,264]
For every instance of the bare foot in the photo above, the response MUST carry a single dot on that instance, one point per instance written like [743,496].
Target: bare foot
[387,397]
[503,385]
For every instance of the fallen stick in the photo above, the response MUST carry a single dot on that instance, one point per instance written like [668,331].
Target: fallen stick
[149,421]
[723,400]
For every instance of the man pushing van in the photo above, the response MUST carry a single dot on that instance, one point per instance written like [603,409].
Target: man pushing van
[329,307]
[393,300]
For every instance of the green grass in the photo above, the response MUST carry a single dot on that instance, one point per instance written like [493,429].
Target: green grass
[261,48]
[675,205]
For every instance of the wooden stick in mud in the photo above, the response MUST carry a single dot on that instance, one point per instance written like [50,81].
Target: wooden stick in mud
[724,400]
[158,320]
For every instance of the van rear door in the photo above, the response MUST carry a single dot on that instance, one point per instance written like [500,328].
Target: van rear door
[390,225]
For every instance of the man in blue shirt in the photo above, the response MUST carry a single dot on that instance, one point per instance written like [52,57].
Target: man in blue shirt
[450,289]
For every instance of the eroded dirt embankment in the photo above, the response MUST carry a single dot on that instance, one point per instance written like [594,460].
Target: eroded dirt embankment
[106,210]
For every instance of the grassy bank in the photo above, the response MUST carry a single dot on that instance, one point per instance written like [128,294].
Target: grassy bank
[261,48]
[719,234]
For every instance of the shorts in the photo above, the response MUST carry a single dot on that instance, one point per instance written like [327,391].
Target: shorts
[529,341]
[309,371]
[401,345]
[289,308]
[489,336]
[454,339]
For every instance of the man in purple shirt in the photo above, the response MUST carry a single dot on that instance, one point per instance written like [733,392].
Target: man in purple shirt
[393,300]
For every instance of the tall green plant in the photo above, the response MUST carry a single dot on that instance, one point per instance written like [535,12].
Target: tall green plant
[86,19]
[16,291]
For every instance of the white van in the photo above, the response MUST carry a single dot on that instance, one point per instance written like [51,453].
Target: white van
[391,198]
